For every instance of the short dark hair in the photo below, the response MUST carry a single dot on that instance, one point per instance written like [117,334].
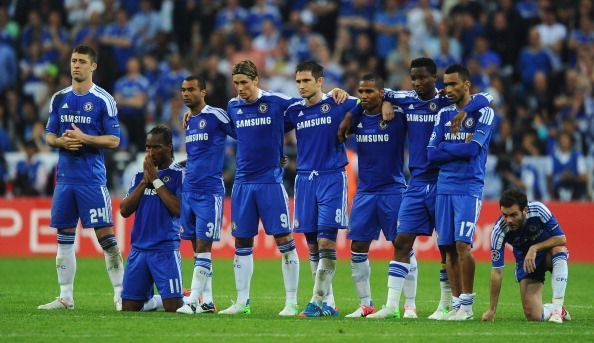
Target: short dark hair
[316,69]
[424,62]
[460,69]
[165,133]
[245,67]
[379,82]
[513,197]
[86,50]
[201,82]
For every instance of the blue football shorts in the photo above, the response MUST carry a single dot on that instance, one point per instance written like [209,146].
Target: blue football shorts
[456,217]
[251,202]
[321,201]
[417,210]
[145,268]
[201,216]
[90,203]
[372,213]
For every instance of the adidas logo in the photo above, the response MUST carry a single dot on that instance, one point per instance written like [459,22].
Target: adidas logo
[411,107]
[239,111]
[300,114]
[448,123]
[65,105]
[360,126]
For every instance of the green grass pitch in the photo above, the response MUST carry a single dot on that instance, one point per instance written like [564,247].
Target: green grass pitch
[26,283]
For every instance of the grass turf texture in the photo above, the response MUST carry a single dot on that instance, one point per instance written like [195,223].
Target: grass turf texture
[26,283]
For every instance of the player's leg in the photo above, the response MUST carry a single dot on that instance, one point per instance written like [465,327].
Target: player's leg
[94,207]
[207,215]
[445,290]
[466,211]
[64,217]
[326,270]
[557,261]
[290,270]
[364,227]
[165,269]
[531,295]
[273,205]
[410,287]
[244,227]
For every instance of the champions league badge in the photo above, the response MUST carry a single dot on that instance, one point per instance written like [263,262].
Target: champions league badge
[325,108]
[263,107]
[432,106]
[202,124]
[166,178]
[469,122]
[88,106]
[383,124]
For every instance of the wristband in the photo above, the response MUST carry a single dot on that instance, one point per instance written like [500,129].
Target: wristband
[158,183]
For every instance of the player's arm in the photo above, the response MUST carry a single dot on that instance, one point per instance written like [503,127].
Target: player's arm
[495,290]
[130,203]
[477,101]
[170,200]
[435,154]
[350,120]
[102,141]
[463,151]
[530,259]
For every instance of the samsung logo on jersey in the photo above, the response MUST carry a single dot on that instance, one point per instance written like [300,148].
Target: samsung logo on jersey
[372,138]
[197,137]
[70,118]
[314,122]
[421,118]
[253,122]
[457,136]
[150,191]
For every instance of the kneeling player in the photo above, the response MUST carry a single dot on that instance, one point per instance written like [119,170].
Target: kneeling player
[154,196]
[539,245]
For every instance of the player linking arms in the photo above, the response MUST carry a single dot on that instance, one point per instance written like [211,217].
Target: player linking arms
[539,245]
[83,121]
[154,196]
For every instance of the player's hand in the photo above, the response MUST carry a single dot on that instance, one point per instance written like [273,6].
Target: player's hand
[456,122]
[530,260]
[339,95]
[387,111]
[71,144]
[343,129]
[75,133]
[488,316]
[150,170]
[186,120]
[284,160]
[468,138]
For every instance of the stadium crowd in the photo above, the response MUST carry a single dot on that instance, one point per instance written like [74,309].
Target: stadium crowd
[535,57]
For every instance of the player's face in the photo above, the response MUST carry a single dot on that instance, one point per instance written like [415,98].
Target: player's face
[192,95]
[514,216]
[371,97]
[423,82]
[159,151]
[456,88]
[81,67]
[247,89]
[307,84]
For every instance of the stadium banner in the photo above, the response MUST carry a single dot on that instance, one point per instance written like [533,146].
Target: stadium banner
[25,232]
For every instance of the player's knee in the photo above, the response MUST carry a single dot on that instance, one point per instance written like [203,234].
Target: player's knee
[403,245]
[360,247]
[559,249]
[531,312]
[244,242]
[131,306]
[283,238]
[171,305]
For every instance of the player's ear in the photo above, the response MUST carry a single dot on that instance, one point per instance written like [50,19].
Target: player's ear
[93,66]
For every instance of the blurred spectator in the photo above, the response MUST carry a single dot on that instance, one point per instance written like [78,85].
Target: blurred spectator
[355,16]
[144,26]
[488,59]
[228,14]
[171,77]
[216,82]
[398,62]
[533,59]
[268,38]
[567,176]
[59,48]
[422,22]
[8,67]
[260,13]
[131,94]
[389,21]
[119,37]
[517,173]
[30,175]
[580,38]
[552,35]
[504,41]
[34,69]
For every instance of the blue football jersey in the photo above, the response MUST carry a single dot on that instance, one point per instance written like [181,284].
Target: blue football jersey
[380,151]
[206,135]
[539,226]
[154,226]
[259,127]
[94,113]
[464,177]
[316,128]
[420,118]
